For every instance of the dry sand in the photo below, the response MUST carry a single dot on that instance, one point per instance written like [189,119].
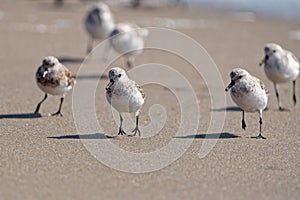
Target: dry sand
[43,158]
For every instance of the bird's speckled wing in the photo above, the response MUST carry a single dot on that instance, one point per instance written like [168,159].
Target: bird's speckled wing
[263,87]
[141,91]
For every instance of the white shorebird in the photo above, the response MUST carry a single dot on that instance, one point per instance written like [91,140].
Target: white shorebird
[124,95]
[249,93]
[128,40]
[53,78]
[280,66]
[98,23]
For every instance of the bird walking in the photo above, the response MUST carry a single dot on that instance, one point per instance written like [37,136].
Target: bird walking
[280,66]
[98,23]
[124,95]
[249,93]
[128,40]
[53,78]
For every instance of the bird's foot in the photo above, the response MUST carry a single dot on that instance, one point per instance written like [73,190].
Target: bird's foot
[121,132]
[259,137]
[295,100]
[266,109]
[244,126]
[58,113]
[283,109]
[136,130]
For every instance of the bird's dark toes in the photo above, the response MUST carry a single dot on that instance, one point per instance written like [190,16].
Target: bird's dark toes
[244,126]
[136,130]
[266,109]
[284,109]
[259,137]
[121,132]
[57,114]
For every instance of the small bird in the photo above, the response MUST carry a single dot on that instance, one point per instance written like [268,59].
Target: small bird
[128,39]
[124,95]
[98,23]
[249,93]
[53,78]
[280,66]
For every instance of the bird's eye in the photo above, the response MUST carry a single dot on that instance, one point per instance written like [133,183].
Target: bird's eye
[274,51]
[239,77]
[119,75]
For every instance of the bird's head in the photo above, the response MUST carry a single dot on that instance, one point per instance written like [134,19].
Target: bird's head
[236,75]
[50,61]
[270,49]
[115,74]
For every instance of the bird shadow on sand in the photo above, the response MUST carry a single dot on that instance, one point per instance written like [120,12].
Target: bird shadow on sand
[230,109]
[210,136]
[70,60]
[65,60]
[83,136]
[233,109]
[20,116]
[90,76]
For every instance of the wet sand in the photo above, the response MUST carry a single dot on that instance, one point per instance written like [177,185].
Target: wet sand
[44,157]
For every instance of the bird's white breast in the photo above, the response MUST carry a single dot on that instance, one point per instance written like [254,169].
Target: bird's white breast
[249,95]
[125,97]
[282,67]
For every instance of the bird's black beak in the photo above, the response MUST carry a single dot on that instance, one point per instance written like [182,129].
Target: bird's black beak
[230,85]
[264,60]
[109,84]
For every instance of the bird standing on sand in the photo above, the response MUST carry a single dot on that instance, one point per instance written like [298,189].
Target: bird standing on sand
[280,66]
[124,95]
[249,93]
[98,23]
[53,78]
[128,39]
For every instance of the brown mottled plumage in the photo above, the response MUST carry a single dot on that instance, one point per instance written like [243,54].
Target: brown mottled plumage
[141,91]
[54,78]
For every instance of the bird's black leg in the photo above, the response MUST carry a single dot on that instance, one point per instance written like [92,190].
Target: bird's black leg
[136,130]
[121,131]
[59,109]
[130,61]
[294,92]
[89,46]
[260,124]
[129,64]
[39,104]
[278,99]
[243,121]
[277,96]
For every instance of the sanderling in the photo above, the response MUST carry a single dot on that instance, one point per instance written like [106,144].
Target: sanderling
[128,39]
[280,66]
[124,95]
[53,78]
[249,93]
[98,23]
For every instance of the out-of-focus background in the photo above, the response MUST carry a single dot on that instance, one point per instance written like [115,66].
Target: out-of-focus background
[44,158]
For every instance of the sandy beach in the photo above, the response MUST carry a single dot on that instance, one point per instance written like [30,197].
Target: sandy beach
[46,158]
